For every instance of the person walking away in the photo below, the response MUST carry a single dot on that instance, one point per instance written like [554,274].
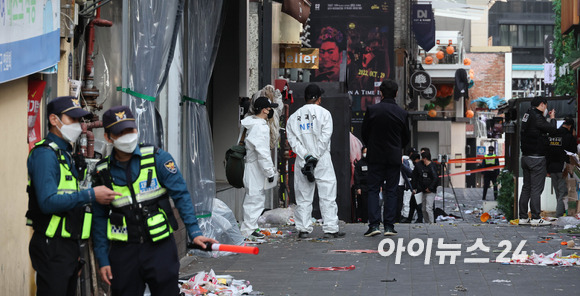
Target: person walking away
[407,194]
[259,170]
[534,144]
[385,131]
[361,189]
[425,180]
[490,176]
[417,197]
[309,130]
[58,211]
[557,160]
[133,237]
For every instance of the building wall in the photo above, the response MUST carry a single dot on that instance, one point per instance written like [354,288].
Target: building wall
[489,69]
[457,151]
[16,273]
[451,141]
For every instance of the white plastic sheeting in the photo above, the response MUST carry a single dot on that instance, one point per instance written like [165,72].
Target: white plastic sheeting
[152,39]
[204,19]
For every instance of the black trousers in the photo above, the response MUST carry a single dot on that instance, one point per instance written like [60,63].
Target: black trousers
[134,264]
[489,178]
[361,206]
[56,261]
[379,173]
[400,195]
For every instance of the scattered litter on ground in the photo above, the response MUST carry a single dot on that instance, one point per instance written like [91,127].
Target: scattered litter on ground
[501,281]
[334,268]
[389,281]
[460,288]
[554,259]
[567,221]
[208,283]
[278,216]
[355,251]
[571,245]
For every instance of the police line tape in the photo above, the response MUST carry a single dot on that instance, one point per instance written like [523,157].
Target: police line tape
[474,159]
[492,168]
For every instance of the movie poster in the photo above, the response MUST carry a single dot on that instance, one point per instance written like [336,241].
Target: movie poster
[355,41]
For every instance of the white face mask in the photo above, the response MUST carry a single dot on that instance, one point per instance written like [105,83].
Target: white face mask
[127,143]
[70,132]
[364,155]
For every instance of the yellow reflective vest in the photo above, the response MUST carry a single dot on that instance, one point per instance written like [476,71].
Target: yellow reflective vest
[489,161]
[74,224]
[142,211]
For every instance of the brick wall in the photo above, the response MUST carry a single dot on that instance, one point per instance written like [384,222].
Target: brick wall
[489,77]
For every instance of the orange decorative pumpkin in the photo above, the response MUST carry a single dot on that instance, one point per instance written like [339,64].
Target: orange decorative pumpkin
[440,55]
[429,60]
[432,113]
[469,114]
[467,61]
[450,49]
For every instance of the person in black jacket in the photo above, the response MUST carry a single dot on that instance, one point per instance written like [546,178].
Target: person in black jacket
[361,189]
[490,176]
[556,160]
[385,131]
[534,144]
[425,181]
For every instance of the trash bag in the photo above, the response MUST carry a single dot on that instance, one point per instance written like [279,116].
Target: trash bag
[279,216]
[222,226]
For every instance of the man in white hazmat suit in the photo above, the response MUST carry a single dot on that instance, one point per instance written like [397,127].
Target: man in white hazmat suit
[259,170]
[309,130]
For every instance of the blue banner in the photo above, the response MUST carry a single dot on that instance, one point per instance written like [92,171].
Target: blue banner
[423,23]
[29,37]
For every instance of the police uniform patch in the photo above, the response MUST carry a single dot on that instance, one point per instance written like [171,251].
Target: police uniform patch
[525,118]
[170,166]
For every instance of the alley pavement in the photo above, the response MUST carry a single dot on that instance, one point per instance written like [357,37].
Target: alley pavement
[282,266]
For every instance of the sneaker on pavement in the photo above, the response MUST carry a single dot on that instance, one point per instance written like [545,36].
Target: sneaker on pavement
[390,231]
[303,234]
[539,222]
[334,234]
[257,234]
[372,231]
[524,221]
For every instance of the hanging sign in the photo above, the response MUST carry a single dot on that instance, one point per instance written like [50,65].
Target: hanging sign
[423,23]
[35,92]
[304,58]
[429,93]
[420,80]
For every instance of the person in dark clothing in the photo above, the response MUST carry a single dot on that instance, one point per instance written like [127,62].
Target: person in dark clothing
[534,144]
[556,160]
[490,176]
[413,205]
[361,189]
[425,181]
[385,131]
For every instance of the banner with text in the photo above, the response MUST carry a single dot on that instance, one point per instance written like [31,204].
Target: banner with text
[30,38]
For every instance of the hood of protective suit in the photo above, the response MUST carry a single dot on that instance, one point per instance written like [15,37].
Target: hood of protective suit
[251,121]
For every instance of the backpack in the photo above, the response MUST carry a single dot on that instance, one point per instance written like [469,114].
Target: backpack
[235,163]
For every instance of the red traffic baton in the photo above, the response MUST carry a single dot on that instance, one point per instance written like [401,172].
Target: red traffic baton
[225,248]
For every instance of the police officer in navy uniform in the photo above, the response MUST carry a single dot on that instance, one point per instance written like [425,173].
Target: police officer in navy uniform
[490,160]
[133,238]
[58,211]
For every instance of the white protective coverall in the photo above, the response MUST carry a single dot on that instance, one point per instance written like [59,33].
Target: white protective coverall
[258,167]
[309,130]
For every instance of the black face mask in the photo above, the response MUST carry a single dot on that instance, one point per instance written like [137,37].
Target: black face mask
[270,114]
